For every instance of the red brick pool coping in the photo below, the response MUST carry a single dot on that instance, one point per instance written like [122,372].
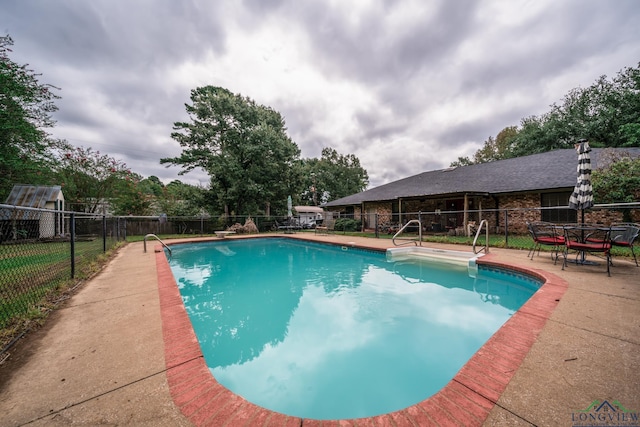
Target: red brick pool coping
[466,400]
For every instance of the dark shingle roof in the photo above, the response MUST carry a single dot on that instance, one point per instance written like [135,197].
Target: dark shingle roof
[545,171]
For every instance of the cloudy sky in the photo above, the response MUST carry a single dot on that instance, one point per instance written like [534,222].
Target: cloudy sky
[406,86]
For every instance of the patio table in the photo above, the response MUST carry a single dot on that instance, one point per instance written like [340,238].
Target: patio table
[585,239]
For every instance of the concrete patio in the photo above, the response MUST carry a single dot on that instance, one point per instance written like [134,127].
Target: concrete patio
[100,358]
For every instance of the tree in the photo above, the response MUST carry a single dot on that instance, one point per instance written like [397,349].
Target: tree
[331,177]
[462,161]
[244,148]
[541,134]
[90,180]
[607,113]
[128,198]
[499,148]
[26,106]
[152,186]
[617,179]
[180,199]
[630,134]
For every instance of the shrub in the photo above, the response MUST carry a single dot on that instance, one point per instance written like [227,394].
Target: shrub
[347,224]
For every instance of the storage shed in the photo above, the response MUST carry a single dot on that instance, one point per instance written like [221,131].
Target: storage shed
[29,217]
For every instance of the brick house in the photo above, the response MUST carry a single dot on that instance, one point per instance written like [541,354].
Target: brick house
[452,197]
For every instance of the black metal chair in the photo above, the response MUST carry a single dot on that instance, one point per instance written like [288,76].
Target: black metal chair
[583,240]
[545,234]
[624,235]
[328,226]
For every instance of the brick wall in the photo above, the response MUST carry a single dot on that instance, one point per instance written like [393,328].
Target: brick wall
[521,208]
[519,217]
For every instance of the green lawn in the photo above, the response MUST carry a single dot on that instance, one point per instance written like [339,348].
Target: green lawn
[30,271]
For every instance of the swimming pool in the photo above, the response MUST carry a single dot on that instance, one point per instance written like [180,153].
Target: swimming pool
[289,344]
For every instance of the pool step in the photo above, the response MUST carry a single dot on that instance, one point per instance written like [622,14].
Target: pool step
[442,256]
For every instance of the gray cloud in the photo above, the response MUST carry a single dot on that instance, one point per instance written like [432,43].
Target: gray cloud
[405,86]
[375,51]
[119,35]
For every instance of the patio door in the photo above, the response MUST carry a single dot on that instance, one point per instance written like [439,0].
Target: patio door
[370,218]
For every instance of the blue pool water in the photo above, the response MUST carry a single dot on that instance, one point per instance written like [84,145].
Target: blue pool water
[328,332]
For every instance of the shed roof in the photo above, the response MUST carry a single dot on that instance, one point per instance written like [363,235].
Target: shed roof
[33,196]
[308,209]
[552,170]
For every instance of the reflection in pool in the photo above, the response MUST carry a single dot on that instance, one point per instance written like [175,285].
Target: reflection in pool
[325,332]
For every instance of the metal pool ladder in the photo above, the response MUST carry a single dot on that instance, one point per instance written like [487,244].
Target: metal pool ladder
[486,241]
[409,241]
[161,242]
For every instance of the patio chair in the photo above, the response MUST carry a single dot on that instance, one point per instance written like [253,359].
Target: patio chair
[326,227]
[545,234]
[585,240]
[625,238]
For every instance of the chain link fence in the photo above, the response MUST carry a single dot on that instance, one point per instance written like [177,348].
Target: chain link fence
[43,250]
[507,228]
[198,225]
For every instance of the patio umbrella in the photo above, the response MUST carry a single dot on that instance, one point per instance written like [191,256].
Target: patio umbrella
[289,206]
[582,196]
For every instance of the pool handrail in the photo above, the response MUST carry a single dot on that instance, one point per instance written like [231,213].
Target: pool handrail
[161,242]
[409,241]
[486,243]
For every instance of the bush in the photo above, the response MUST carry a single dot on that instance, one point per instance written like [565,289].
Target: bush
[347,224]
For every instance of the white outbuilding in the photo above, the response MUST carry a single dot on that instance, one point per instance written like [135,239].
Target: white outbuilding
[308,214]
[34,220]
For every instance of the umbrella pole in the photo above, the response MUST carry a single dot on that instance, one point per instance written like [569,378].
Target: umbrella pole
[583,255]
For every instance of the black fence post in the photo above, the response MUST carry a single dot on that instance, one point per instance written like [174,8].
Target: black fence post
[506,228]
[72,226]
[104,233]
[375,221]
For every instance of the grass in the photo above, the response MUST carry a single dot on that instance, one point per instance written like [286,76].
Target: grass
[24,261]
[36,275]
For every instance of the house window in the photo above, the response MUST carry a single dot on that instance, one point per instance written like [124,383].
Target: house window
[349,212]
[558,216]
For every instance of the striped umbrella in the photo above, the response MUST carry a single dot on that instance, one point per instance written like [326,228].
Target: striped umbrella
[582,196]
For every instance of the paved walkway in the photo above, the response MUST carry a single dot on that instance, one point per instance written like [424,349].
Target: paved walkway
[100,359]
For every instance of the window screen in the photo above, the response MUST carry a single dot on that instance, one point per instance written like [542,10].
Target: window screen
[558,216]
